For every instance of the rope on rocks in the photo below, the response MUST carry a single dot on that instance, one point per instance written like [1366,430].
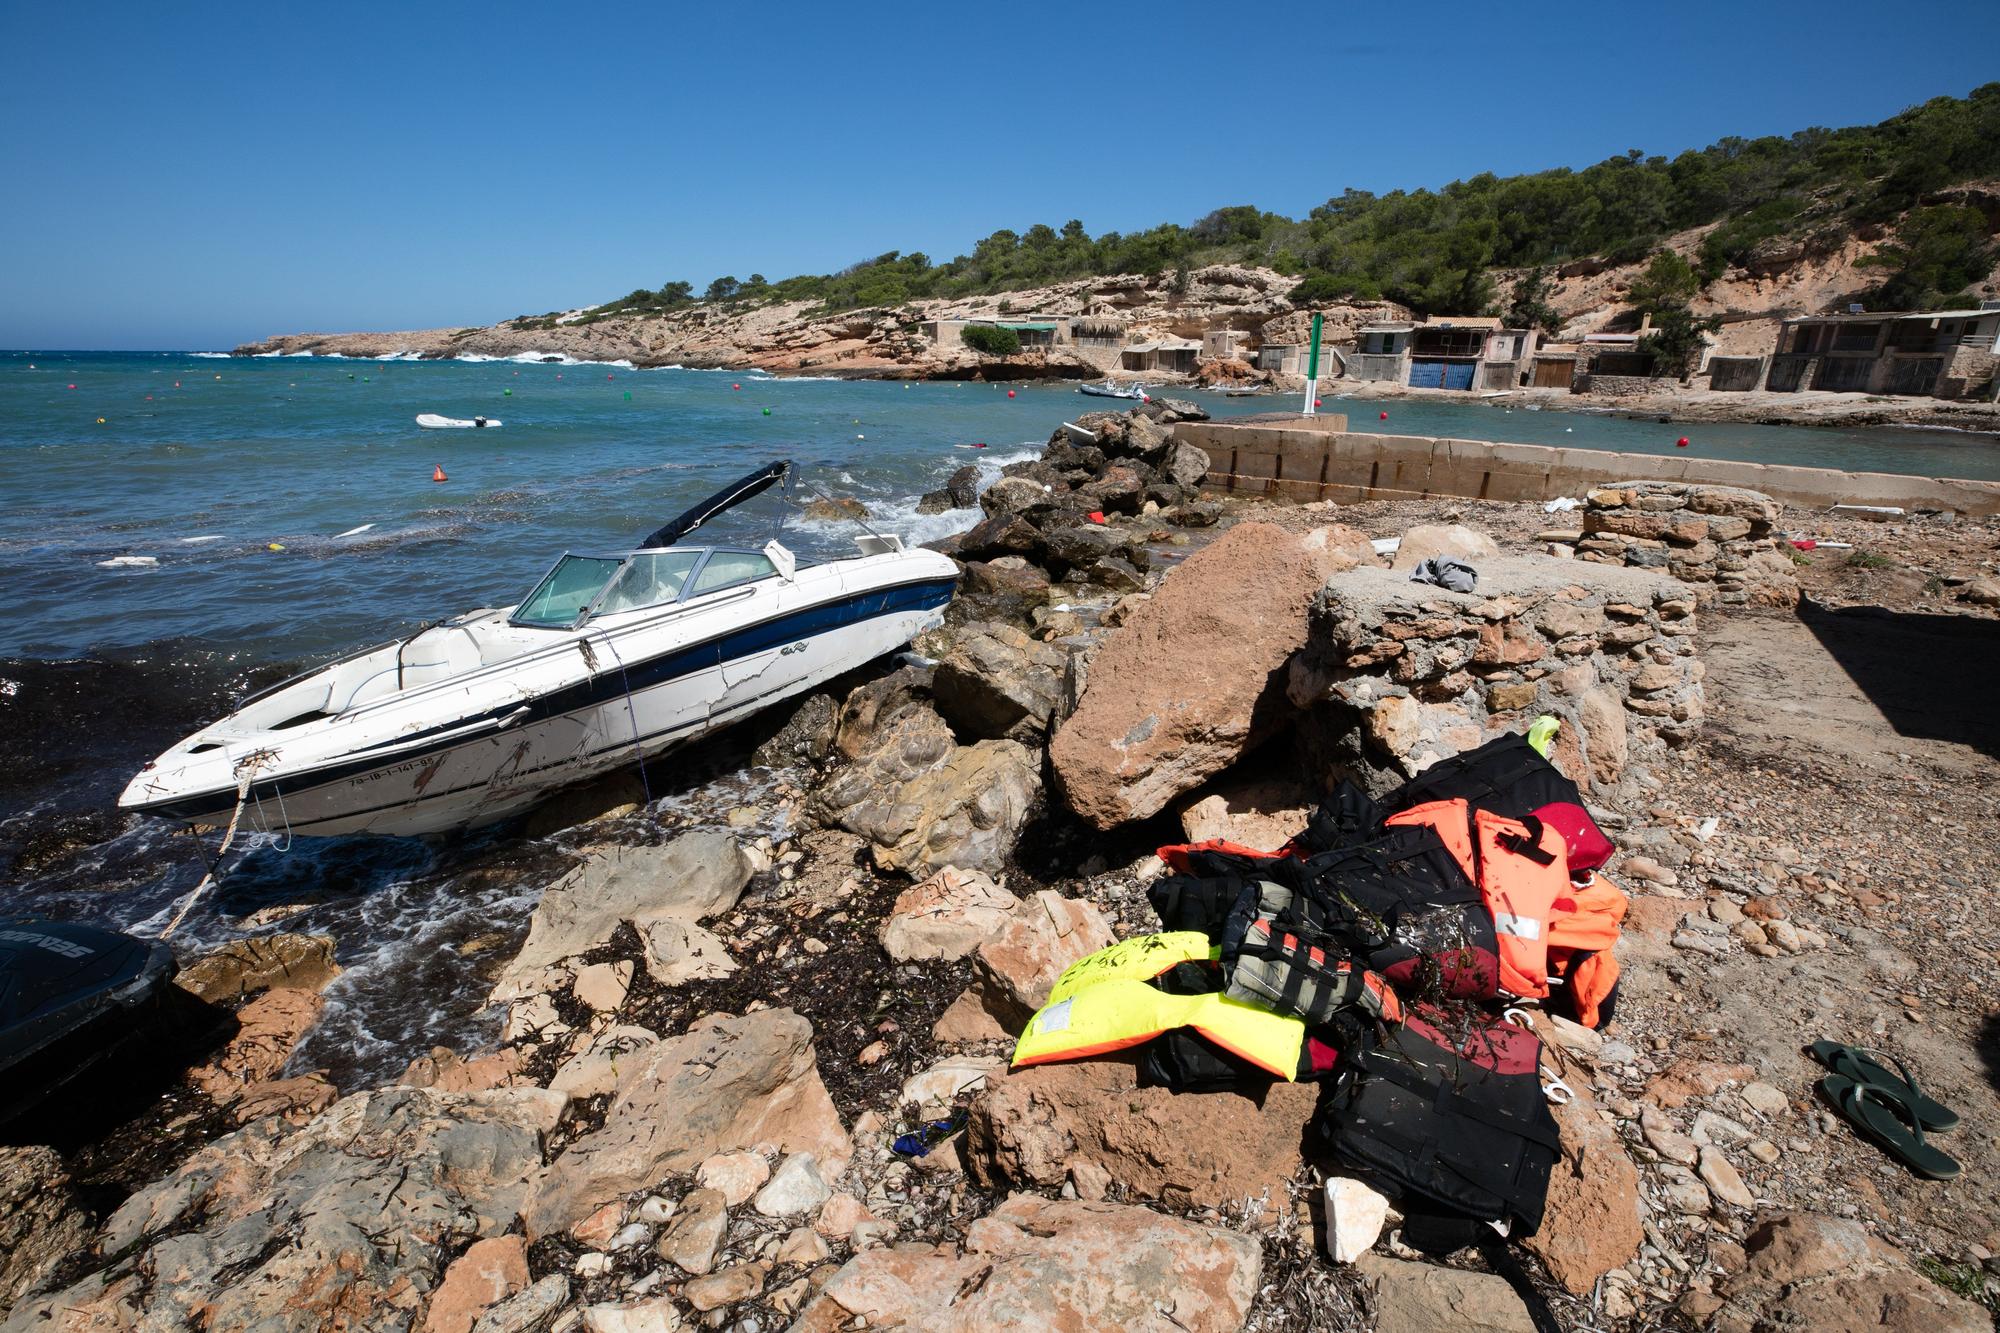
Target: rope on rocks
[245,772]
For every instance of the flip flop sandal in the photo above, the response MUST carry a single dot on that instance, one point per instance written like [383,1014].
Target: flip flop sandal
[1879,1115]
[1854,1063]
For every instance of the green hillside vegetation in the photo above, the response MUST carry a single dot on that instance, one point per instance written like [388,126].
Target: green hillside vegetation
[1432,249]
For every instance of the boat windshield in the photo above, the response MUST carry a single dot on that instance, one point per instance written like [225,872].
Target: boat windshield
[650,578]
[560,597]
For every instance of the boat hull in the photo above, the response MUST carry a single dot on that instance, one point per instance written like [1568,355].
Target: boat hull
[626,711]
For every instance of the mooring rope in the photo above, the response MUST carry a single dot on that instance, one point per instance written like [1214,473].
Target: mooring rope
[246,772]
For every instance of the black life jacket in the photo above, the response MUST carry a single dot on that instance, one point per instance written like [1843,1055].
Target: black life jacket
[1448,1107]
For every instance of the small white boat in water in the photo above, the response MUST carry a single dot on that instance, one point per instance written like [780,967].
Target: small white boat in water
[432,421]
[1135,392]
[607,661]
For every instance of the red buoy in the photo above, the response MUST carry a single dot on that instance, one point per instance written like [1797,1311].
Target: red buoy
[1384,416]
[1010,392]
[437,473]
[735,386]
[1315,402]
[1681,443]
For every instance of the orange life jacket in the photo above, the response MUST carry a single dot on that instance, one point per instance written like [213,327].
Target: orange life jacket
[1521,868]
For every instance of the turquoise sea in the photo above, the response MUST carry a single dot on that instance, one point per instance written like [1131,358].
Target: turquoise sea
[202,463]
[284,510]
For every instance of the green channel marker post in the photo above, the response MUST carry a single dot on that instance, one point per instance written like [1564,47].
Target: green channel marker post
[1312,366]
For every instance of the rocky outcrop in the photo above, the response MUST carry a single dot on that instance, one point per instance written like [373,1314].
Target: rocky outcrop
[695,876]
[926,802]
[345,1221]
[726,1084]
[41,1221]
[1804,1270]
[489,1272]
[997,683]
[262,962]
[1035,1264]
[1032,1128]
[1191,681]
[946,916]
[1019,963]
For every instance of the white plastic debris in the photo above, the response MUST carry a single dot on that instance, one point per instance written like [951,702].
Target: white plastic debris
[1706,828]
[1876,512]
[1562,504]
[1354,1218]
[1386,545]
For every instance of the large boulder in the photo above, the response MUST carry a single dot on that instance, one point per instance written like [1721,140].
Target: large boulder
[807,736]
[1183,464]
[343,1222]
[1193,678]
[1031,1127]
[996,683]
[1590,1224]
[1805,1270]
[1426,540]
[41,1221]
[1013,495]
[1008,590]
[967,812]
[262,962]
[696,875]
[1019,963]
[725,1084]
[869,710]
[1002,534]
[1422,1298]
[946,916]
[1034,1264]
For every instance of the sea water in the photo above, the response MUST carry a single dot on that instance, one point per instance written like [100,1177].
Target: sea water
[178,527]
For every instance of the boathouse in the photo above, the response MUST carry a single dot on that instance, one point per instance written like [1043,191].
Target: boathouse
[1929,353]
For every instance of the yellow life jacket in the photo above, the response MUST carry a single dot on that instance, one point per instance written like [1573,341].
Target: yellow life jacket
[1106,1002]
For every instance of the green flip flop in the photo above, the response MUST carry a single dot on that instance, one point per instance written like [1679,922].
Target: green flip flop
[1852,1062]
[1881,1116]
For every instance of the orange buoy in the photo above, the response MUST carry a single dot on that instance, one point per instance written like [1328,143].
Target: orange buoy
[437,474]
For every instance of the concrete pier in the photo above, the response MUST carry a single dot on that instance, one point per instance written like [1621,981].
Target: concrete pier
[1318,458]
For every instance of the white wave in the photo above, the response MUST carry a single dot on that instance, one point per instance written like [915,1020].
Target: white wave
[211,537]
[355,532]
[331,356]
[129,562]
[540,359]
[211,356]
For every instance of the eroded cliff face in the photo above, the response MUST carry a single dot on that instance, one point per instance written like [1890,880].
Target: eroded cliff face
[1783,278]
[878,342]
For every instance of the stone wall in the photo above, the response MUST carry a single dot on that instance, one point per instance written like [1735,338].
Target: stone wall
[1620,386]
[1735,374]
[1396,675]
[1720,539]
[1346,467]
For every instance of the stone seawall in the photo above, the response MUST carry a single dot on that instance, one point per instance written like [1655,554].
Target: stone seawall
[1293,459]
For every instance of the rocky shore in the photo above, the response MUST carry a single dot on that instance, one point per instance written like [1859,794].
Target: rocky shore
[714,1036]
[795,338]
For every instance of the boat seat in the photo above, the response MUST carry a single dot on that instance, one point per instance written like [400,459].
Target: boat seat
[439,654]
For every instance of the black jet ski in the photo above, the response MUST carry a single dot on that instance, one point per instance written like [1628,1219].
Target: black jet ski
[71,996]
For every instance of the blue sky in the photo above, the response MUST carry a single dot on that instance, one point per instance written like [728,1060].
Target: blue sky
[196,176]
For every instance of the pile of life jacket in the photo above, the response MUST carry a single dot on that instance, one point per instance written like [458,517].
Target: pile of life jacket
[1376,952]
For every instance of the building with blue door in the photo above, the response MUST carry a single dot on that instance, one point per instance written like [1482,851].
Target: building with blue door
[1460,352]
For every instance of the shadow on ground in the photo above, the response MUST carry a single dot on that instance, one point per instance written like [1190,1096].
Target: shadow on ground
[1930,675]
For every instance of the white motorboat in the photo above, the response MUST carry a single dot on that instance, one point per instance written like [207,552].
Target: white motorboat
[1135,392]
[432,421]
[607,661]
